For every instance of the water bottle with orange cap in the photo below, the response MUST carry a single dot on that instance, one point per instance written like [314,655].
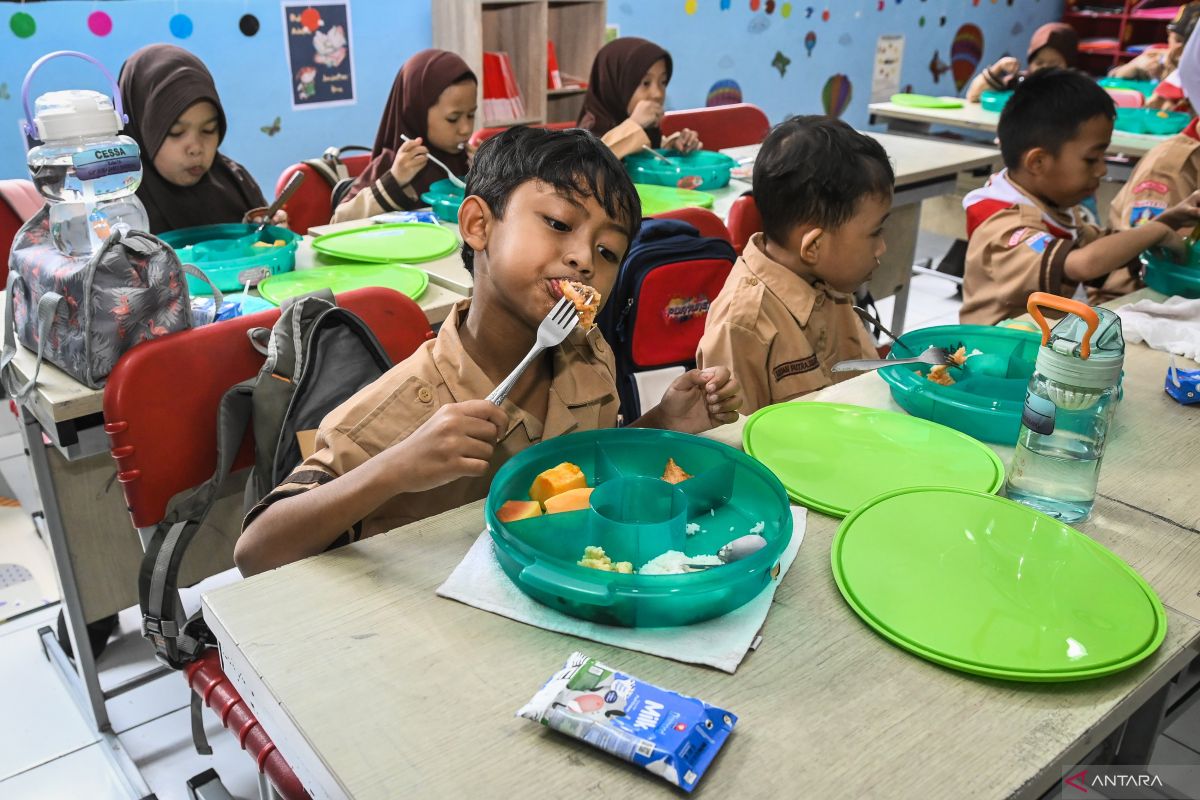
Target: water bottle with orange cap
[1068,407]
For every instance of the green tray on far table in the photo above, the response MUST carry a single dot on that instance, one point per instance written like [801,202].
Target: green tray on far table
[403,242]
[657,199]
[926,101]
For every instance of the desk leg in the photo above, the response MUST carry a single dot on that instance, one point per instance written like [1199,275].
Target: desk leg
[83,678]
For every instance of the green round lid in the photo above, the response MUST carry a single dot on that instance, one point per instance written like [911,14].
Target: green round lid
[406,242]
[657,199]
[344,278]
[984,585]
[833,458]
[926,101]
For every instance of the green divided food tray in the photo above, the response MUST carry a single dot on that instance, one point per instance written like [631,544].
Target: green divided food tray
[1148,120]
[994,101]
[635,516]
[1145,87]
[344,278]
[925,101]
[987,586]
[711,168]
[988,393]
[223,252]
[657,199]
[444,198]
[1164,275]
[833,458]
[404,242]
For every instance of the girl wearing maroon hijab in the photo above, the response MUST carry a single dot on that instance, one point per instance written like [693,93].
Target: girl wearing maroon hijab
[1055,44]
[433,103]
[176,118]
[625,96]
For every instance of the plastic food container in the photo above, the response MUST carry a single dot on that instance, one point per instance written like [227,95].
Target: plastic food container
[1145,87]
[994,101]
[710,167]
[988,393]
[635,516]
[1147,120]
[444,198]
[1164,275]
[223,252]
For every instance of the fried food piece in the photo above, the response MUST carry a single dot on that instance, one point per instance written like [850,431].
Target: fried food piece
[586,300]
[938,374]
[596,558]
[674,473]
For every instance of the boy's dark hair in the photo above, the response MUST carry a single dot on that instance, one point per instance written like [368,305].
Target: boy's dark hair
[814,170]
[572,161]
[1046,111]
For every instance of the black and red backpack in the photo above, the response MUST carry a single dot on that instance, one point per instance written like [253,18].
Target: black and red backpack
[656,314]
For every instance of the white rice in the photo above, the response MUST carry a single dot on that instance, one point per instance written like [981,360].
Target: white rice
[758,527]
[693,528]
[673,562]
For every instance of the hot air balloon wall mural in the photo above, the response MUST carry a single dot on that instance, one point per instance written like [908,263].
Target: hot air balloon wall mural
[965,52]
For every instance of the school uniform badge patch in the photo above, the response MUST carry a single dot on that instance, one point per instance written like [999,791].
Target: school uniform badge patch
[1157,187]
[1144,212]
[1039,243]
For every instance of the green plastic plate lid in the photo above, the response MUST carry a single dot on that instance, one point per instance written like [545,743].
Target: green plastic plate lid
[987,586]
[833,458]
[926,101]
[405,242]
[657,199]
[344,278]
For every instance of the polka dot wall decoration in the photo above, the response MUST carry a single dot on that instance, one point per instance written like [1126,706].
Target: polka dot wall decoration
[181,26]
[248,25]
[100,23]
[785,10]
[825,15]
[22,25]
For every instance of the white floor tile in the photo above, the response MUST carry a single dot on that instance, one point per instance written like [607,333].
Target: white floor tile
[127,656]
[163,751]
[41,722]
[1186,727]
[17,475]
[20,544]
[84,773]
[1170,753]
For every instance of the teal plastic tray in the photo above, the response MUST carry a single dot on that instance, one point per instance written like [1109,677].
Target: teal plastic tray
[1164,275]
[710,167]
[224,252]
[635,516]
[994,101]
[989,390]
[444,198]
[1147,120]
[1145,87]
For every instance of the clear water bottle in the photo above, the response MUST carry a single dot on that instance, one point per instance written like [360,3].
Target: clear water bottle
[86,170]
[1068,407]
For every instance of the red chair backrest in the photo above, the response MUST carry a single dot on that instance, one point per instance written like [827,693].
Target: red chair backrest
[483,134]
[19,201]
[309,206]
[744,221]
[721,126]
[163,434]
[703,220]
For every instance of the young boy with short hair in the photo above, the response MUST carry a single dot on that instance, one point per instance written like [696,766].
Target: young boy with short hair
[542,207]
[785,315]
[1026,231]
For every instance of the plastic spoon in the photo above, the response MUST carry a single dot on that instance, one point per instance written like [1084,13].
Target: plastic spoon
[739,548]
[457,181]
[687,181]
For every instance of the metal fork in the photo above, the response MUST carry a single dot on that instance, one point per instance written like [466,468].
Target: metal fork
[457,181]
[932,355]
[561,320]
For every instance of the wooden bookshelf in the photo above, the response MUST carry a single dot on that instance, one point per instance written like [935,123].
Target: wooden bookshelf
[1129,22]
[521,28]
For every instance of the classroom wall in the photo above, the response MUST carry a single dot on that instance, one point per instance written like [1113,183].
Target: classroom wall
[767,54]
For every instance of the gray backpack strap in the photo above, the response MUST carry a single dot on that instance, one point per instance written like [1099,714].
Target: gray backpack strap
[177,639]
[49,305]
[198,274]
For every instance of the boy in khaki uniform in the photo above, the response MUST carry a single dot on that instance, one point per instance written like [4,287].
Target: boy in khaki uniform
[541,207]
[786,313]
[1162,178]
[1025,229]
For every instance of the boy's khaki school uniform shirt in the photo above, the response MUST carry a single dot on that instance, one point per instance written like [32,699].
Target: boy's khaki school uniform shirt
[583,397]
[778,333]
[1017,246]
[1162,178]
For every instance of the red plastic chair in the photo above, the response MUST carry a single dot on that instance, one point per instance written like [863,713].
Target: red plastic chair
[1127,98]
[310,206]
[483,134]
[721,126]
[165,447]
[744,221]
[703,220]
[19,201]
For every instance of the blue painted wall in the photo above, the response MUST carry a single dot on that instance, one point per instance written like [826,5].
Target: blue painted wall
[707,45]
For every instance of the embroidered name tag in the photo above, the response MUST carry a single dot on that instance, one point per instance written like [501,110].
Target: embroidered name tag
[798,367]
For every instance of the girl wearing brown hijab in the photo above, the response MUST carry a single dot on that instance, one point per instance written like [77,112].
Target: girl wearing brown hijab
[1055,44]
[433,103]
[625,96]
[176,118]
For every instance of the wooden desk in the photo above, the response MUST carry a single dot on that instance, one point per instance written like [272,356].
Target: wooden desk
[972,117]
[373,687]
[925,168]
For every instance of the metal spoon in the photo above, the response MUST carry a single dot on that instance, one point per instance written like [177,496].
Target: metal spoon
[739,548]
[659,156]
[457,181]
[288,190]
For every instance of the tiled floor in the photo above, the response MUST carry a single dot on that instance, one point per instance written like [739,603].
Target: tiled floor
[48,751]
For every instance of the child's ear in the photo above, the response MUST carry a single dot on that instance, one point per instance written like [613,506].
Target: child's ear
[810,245]
[1036,160]
[474,222]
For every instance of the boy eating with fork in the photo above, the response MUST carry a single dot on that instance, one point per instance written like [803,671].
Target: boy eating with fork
[543,208]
